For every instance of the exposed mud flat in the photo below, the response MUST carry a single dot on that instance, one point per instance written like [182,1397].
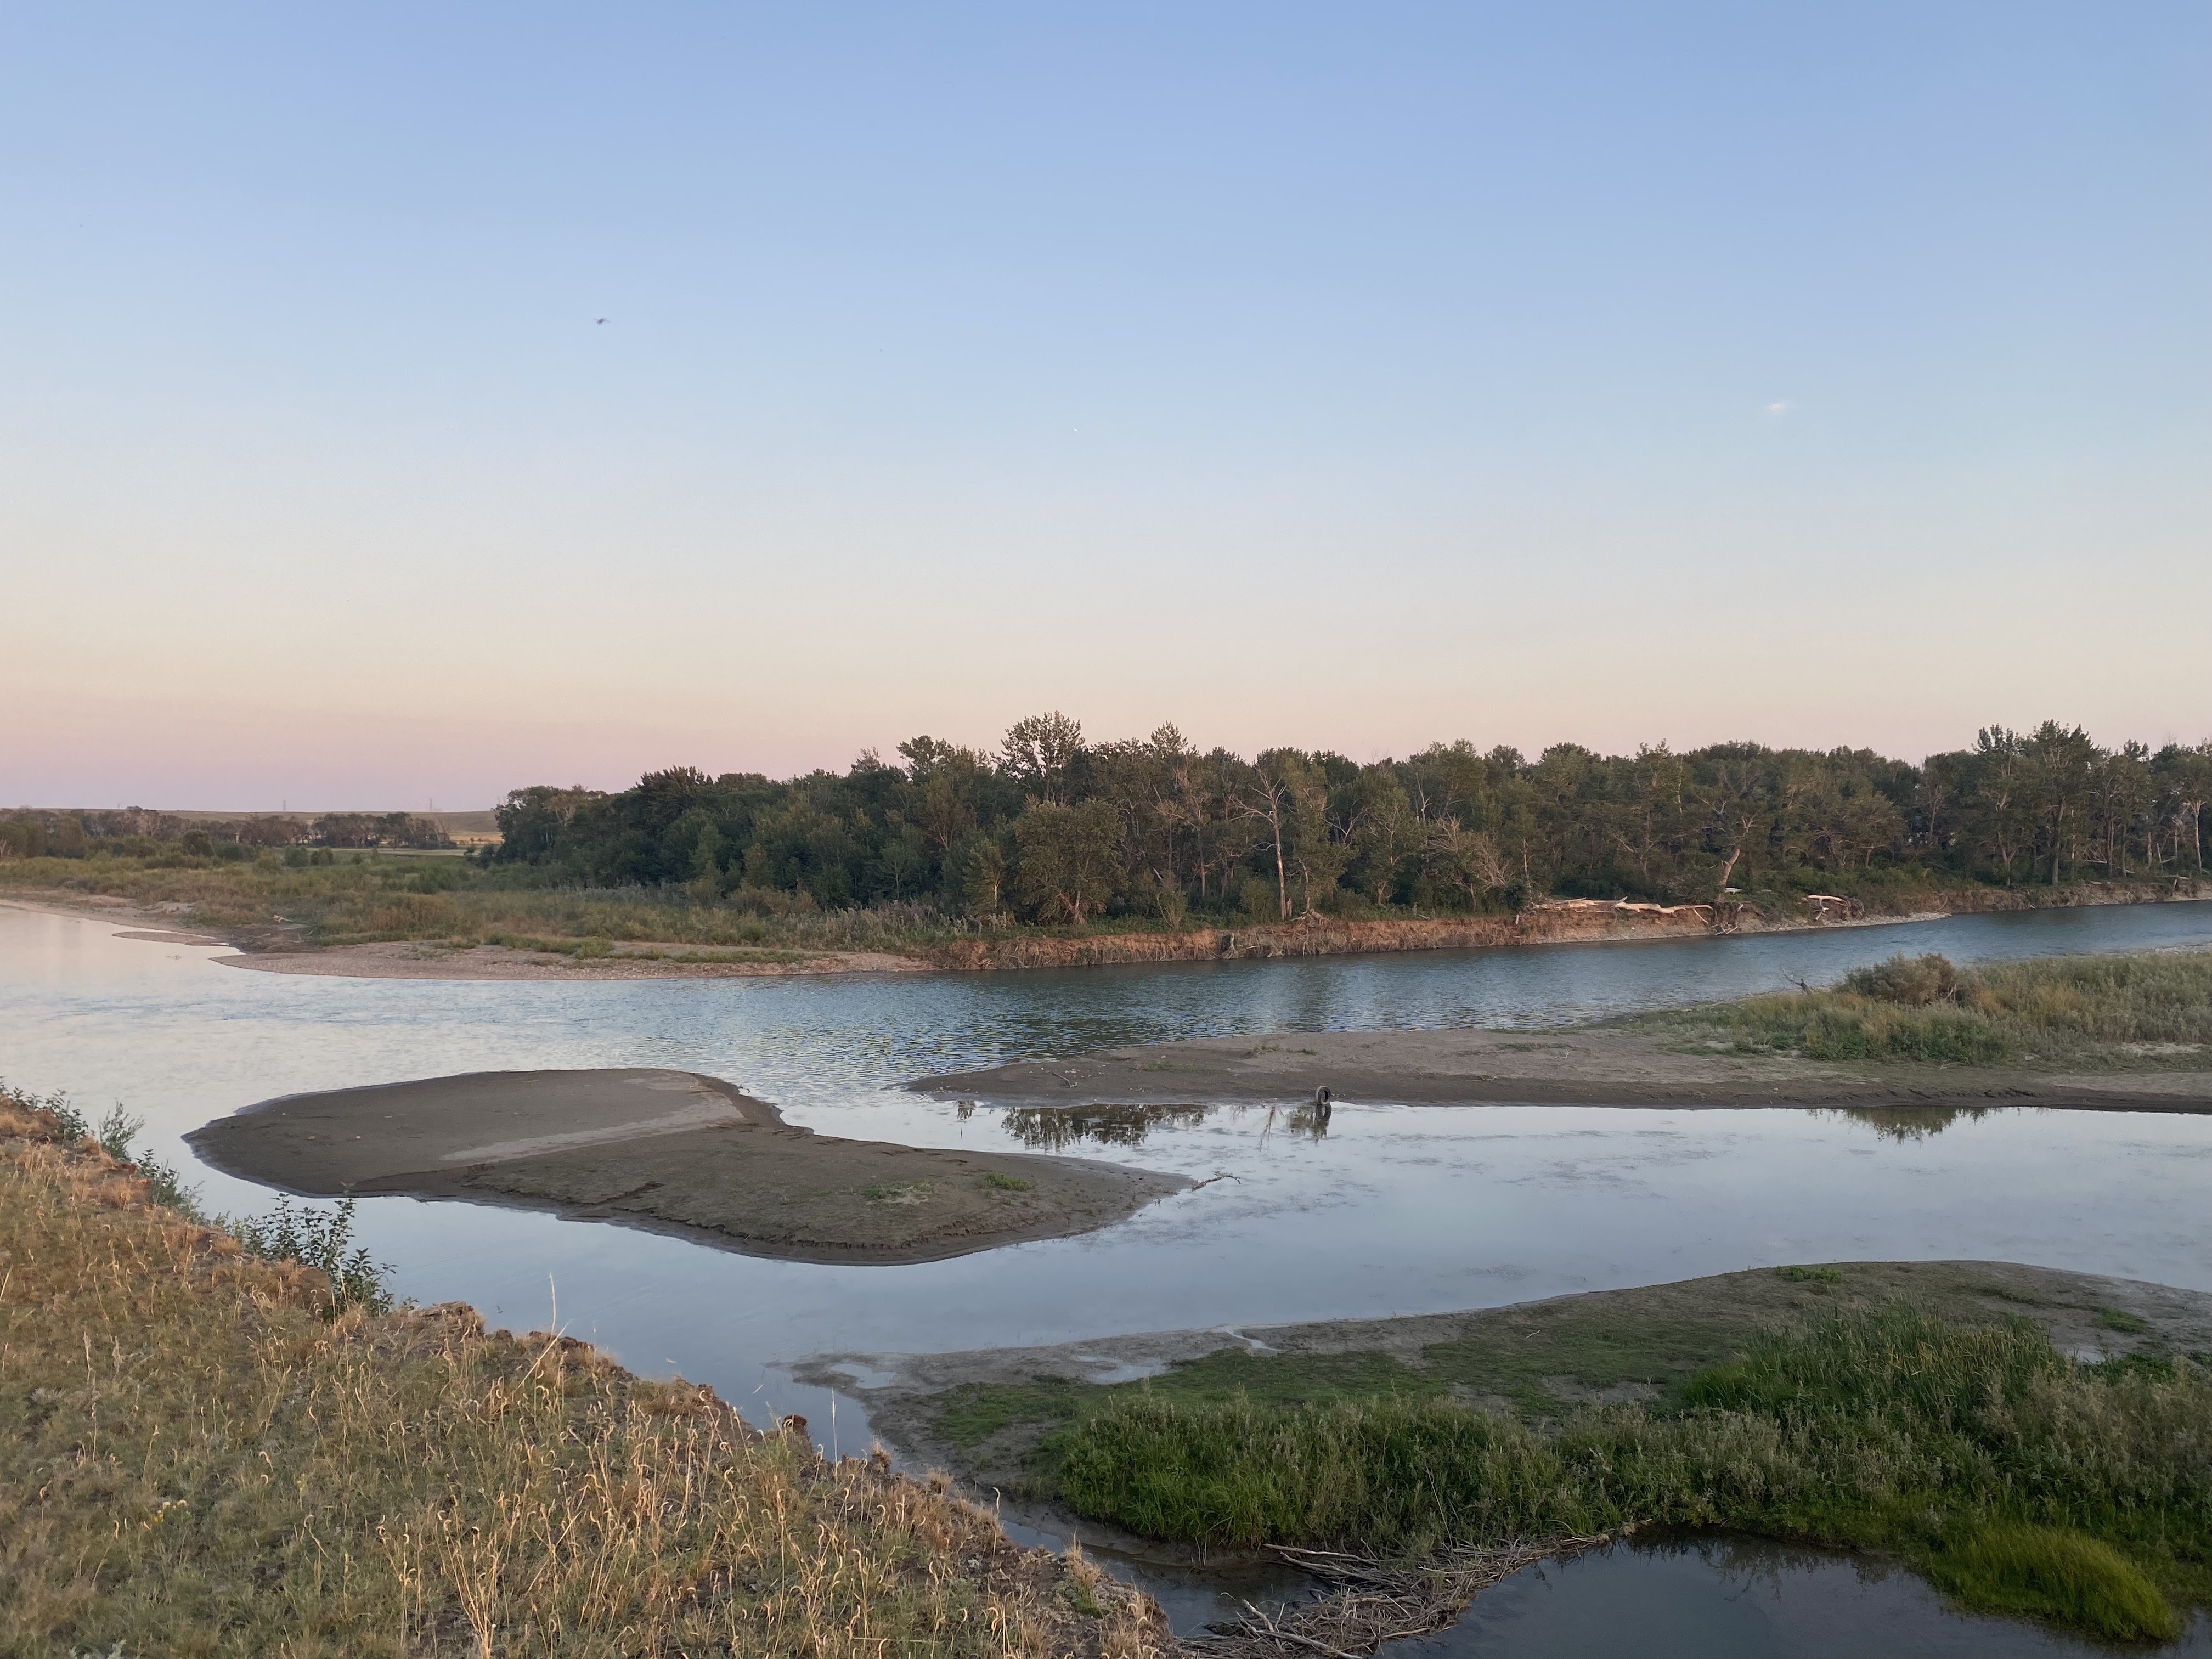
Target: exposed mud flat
[1567,1067]
[671,1151]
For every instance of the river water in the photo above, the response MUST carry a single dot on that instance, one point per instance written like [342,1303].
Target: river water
[1399,1209]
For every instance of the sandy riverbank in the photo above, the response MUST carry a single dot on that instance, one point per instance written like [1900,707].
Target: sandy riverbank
[1601,1067]
[671,1151]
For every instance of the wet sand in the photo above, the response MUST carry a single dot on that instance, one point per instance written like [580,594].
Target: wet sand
[1570,1067]
[671,1151]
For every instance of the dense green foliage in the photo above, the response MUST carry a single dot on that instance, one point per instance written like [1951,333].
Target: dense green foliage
[1054,828]
[2130,1009]
[2017,1478]
[1050,830]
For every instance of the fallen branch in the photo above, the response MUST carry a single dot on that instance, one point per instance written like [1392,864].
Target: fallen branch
[1367,1602]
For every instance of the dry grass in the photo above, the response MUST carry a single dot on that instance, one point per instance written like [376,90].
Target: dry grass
[200,1464]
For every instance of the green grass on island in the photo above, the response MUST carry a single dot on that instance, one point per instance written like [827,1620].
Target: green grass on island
[2016,1478]
[2138,1012]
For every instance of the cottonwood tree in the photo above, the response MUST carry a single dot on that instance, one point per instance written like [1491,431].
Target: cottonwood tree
[1070,857]
[1266,801]
[1039,753]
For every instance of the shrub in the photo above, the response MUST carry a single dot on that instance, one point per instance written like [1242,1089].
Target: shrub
[2020,1479]
[1915,982]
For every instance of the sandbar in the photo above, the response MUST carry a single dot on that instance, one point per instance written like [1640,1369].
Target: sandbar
[1582,1066]
[670,1151]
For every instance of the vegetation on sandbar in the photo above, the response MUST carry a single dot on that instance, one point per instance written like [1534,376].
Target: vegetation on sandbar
[2136,1010]
[2013,1476]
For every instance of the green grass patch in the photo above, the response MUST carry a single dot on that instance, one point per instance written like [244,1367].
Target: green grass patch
[2119,1319]
[2125,1011]
[1980,1447]
[2066,1577]
[896,1192]
[1810,1275]
[998,1182]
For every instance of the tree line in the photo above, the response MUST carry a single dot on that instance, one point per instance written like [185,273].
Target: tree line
[1051,827]
[27,832]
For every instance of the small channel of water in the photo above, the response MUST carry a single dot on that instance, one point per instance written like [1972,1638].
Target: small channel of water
[1739,1598]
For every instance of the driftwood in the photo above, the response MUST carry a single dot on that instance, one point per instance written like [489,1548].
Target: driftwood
[1368,1603]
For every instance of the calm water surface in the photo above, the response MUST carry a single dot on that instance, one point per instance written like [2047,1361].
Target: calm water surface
[1400,1209]
[1728,1598]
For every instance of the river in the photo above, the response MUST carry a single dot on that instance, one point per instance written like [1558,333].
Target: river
[1400,1209]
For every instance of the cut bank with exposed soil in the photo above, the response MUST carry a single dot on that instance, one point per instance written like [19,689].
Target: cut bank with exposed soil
[671,1151]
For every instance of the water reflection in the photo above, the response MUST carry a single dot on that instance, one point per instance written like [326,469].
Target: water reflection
[1050,1129]
[1909,1123]
[1308,1121]
[1704,1596]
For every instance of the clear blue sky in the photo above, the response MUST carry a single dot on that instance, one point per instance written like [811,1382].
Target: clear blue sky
[1334,375]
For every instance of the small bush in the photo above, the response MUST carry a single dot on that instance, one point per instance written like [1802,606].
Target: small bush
[1914,981]
[324,1239]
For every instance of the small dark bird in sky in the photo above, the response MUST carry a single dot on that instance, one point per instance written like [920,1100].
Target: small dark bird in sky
[602,319]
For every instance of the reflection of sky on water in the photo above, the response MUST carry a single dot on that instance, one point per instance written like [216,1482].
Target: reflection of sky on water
[1399,1209]
[1738,1598]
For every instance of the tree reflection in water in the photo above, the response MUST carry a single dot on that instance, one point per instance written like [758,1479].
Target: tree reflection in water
[1909,1123]
[1051,1127]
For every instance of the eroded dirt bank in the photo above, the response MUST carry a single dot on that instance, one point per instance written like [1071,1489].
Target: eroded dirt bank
[673,1150]
[1601,1067]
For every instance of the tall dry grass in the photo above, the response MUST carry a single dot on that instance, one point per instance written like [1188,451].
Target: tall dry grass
[203,1465]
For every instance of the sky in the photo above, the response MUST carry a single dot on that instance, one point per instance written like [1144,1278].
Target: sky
[411,402]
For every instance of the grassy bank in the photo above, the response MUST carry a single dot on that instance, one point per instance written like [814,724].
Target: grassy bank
[368,897]
[2013,1476]
[336,898]
[2120,1011]
[203,1461]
